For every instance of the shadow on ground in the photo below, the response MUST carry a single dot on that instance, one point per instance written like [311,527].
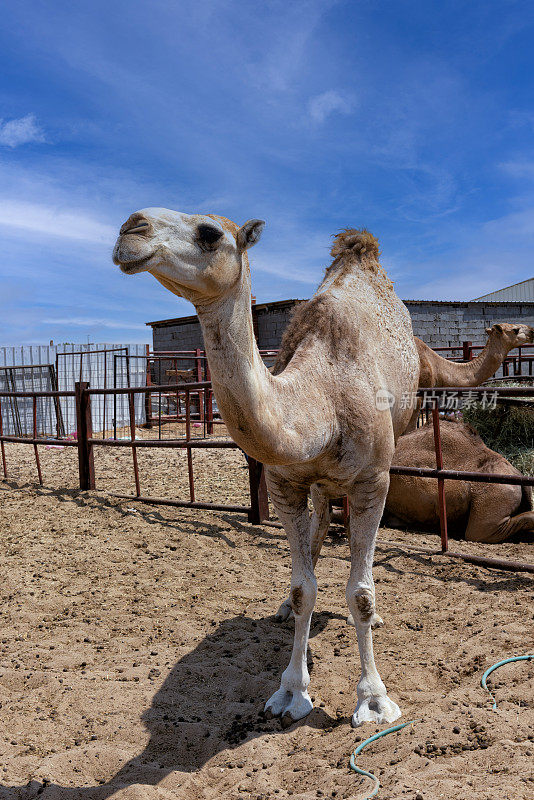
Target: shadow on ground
[211,701]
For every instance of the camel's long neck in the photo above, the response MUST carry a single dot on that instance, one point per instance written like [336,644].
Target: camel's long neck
[475,372]
[250,399]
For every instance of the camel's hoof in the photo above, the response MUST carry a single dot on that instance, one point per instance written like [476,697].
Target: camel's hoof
[277,703]
[290,706]
[284,612]
[376,709]
[376,621]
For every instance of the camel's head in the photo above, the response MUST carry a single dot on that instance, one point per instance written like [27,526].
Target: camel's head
[511,335]
[196,256]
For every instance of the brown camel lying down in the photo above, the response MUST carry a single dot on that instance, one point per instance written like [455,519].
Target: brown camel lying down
[487,512]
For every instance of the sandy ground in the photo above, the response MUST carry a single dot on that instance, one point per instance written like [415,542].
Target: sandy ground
[137,649]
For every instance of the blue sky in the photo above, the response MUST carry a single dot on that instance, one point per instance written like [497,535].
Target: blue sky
[415,119]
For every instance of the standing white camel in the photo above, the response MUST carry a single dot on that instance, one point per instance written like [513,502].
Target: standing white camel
[330,414]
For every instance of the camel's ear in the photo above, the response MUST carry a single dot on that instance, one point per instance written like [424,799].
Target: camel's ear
[249,233]
[497,328]
[488,331]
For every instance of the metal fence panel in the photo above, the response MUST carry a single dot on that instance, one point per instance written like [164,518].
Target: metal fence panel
[39,367]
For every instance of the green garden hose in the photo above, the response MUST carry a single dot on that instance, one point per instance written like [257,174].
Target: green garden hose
[360,747]
[495,666]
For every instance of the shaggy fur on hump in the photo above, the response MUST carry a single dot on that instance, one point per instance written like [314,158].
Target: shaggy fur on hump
[356,248]
[355,240]
[352,250]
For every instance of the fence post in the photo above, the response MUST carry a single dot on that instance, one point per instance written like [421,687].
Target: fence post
[148,396]
[518,369]
[2,448]
[467,351]
[209,400]
[188,440]
[441,482]
[86,464]
[200,378]
[259,500]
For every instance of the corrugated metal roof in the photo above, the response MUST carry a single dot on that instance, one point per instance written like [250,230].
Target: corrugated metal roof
[519,292]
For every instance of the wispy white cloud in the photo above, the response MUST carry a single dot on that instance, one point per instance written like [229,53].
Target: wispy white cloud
[49,220]
[286,257]
[287,42]
[24,130]
[322,105]
[286,271]
[95,321]
[519,169]
[461,287]
[483,258]
[516,227]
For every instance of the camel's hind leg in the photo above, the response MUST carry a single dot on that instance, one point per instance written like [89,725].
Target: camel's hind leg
[412,424]
[292,701]
[485,525]
[319,524]
[367,501]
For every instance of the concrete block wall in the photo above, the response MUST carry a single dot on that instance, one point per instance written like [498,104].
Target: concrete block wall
[448,324]
[271,324]
[186,336]
[439,324]
[176,336]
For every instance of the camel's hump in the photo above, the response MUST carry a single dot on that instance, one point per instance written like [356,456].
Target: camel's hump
[356,240]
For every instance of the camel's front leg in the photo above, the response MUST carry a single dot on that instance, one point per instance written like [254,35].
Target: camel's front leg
[367,501]
[319,525]
[292,701]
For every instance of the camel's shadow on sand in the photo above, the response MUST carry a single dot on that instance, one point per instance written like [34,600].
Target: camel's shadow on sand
[211,701]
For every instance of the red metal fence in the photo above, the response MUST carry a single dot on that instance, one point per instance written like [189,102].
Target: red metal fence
[167,405]
[85,443]
[184,366]
[258,510]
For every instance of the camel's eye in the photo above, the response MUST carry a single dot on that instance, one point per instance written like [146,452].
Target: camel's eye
[208,236]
